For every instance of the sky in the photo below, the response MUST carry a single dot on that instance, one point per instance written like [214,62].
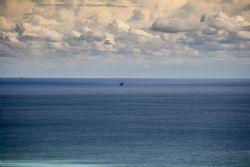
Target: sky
[125,38]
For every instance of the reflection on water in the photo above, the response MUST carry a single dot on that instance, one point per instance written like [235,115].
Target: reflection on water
[54,164]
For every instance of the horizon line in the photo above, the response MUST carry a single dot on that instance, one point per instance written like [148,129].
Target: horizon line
[31,77]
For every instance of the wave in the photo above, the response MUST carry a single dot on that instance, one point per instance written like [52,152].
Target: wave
[53,164]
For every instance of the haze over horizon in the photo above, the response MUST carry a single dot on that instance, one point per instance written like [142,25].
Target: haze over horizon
[125,38]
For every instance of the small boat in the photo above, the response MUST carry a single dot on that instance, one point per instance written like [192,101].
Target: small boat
[121,84]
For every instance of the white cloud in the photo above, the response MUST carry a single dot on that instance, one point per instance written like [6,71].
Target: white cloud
[40,20]
[118,26]
[243,35]
[219,20]
[33,32]
[165,5]
[75,34]
[9,37]
[148,31]
[6,24]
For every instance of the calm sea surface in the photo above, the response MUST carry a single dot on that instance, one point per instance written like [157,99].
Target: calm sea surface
[145,123]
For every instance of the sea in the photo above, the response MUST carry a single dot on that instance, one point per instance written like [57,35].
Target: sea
[144,123]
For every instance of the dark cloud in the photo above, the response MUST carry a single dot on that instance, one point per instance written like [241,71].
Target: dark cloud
[19,29]
[246,8]
[227,1]
[174,25]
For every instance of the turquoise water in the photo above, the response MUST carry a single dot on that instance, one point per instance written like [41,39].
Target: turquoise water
[145,123]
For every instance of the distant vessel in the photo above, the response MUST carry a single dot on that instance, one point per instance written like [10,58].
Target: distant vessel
[121,84]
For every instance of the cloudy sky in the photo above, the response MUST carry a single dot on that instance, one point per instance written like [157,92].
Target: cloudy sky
[125,38]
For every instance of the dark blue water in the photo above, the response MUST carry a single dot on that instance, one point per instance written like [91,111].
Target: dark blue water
[147,122]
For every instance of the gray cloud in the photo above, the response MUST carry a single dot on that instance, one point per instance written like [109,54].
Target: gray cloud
[175,25]
[185,34]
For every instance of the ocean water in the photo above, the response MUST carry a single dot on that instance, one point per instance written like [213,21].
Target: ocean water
[145,123]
